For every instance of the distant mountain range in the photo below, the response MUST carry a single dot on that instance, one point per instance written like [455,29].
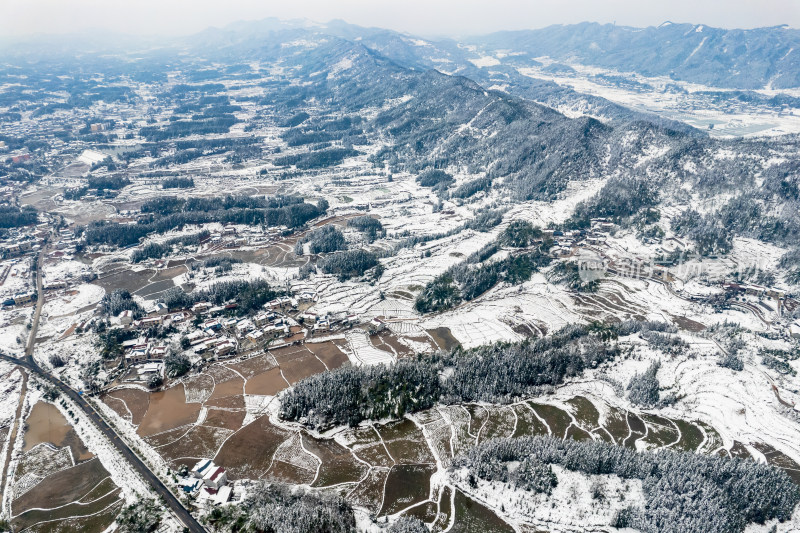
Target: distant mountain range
[737,59]
[742,59]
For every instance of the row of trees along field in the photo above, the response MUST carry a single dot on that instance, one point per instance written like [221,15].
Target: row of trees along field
[495,373]
[169,213]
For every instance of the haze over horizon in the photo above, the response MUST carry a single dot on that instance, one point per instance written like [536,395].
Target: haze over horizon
[438,18]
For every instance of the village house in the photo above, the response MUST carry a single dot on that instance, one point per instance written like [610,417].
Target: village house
[23,298]
[227,347]
[255,336]
[138,353]
[201,308]
[213,476]
[126,317]
[149,322]
[243,327]
[159,352]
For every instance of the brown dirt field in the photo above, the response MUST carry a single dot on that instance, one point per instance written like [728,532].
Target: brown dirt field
[369,493]
[425,512]
[96,523]
[406,442]
[405,486]
[392,341]
[556,418]
[104,487]
[639,429]
[280,255]
[472,517]
[228,402]
[360,435]
[254,366]
[231,387]
[117,406]
[269,383]
[162,439]
[576,433]
[136,400]
[70,330]
[500,424]
[446,509]
[338,464]
[287,473]
[527,423]
[248,453]
[167,410]
[302,368]
[444,338]
[616,424]
[79,450]
[779,459]
[341,343]
[289,353]
[478,416]
[125,279]
[62,487]
[375,455]
[169,273]
[378,343]
[200,442]
[584,412]
[221,373]
[329,353]
[660,431]
[151,290]
[49,519]
[224,419]
[738,450]
[45,424]
[199,386]
[688,324]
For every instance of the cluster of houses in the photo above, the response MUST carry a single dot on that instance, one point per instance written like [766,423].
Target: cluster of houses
[24,240]
[209,481]
[754,290]
[21,291]
[566,243]
[140,349]
[218,336]
[210,339]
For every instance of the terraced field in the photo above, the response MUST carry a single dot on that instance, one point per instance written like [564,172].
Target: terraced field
[390,469]
[59,485]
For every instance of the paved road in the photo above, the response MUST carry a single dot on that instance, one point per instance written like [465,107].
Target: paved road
[180,511]
[39,303]
[30,363]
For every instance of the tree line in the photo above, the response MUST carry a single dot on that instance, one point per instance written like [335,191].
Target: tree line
[12,216]
[500,372]
[683,491]
[157,250]
[292,216]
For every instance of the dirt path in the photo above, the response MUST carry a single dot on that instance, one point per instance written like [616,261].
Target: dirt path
[5,480]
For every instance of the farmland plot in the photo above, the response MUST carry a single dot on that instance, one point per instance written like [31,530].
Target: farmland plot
[58,483]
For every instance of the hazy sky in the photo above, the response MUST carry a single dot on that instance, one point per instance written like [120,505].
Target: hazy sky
[427,17]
